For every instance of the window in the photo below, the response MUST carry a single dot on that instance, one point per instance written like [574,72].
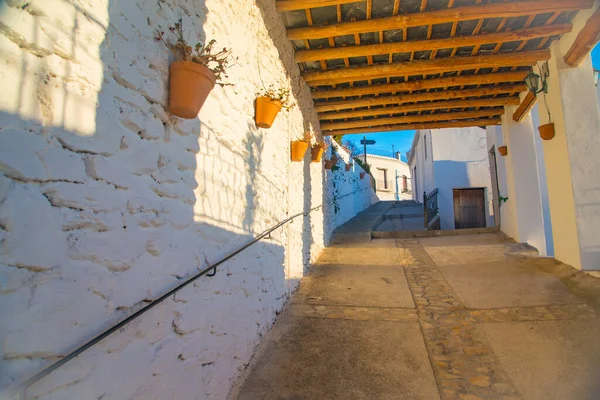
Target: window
[425,144]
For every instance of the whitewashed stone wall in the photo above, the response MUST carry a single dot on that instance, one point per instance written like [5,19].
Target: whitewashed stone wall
[107,201]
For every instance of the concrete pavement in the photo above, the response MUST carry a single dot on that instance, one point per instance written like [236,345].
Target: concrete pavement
[460,317]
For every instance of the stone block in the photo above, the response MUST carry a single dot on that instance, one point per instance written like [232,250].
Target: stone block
[18,157]
[94,196]
[31,223]
[23,29]
[116,250]
[61,164]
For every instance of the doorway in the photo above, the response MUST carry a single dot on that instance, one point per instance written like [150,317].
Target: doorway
[469,208]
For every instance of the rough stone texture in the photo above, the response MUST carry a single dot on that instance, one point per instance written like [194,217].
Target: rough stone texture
[107,200]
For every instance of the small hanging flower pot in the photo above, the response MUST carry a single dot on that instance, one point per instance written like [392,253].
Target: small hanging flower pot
[298,150]
[268,105]
[299,147]
[195,74]
[546,131]
[503,150]
[348,167]
[189,86]
[362,175]
[328,164]
[317,151]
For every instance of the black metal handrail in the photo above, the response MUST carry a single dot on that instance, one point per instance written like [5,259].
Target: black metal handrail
[430,206]
[208,271]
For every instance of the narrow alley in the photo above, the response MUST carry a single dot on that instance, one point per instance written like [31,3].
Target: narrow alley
[459,317]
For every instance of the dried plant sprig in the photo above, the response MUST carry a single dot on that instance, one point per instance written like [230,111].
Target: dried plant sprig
[278,94]
[306,137]
[323,145]
[201,53]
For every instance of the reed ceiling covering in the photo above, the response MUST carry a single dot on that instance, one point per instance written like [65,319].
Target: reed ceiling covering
[386,65]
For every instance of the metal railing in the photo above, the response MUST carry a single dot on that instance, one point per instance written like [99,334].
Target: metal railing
[430,206]
[208,271]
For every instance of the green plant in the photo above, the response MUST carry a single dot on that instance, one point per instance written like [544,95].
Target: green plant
[201,53]
[363,165]
[339,139]
[501,200]
[280,94]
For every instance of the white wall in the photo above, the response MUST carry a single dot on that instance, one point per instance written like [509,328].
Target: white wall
[395,170]
[425,181]
[508,220]
[543,182]
[107,200]
[523,182]
[460,160]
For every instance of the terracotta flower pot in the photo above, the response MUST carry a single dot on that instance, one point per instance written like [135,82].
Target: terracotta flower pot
[546,131]
[328,164]
[348,167]
[266,111]
[316,153]
[298,150]
[362,175]
[503,150]
[189,86]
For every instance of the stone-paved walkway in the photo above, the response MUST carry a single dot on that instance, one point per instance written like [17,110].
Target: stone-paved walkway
[461,317]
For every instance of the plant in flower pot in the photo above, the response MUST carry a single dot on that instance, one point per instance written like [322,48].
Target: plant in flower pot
[503,150]
[268,104]
[299,147]
[330,164]
[533,84]
[317,150]
[362,175]
[349,166]
[194,73]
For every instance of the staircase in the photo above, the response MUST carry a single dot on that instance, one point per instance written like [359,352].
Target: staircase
[403,216]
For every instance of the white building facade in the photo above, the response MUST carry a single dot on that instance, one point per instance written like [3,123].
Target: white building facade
[391,175]
[455,162]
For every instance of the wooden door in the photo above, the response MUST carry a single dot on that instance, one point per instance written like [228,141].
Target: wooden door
[469,208]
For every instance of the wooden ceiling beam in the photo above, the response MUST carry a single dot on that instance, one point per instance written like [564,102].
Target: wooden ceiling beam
[411,119]
[427,66]
[464,13]
[423,125]
[292,5]
[484,79]
[435,44]
[427,106]
[413,98]
[528,102]
[585,40]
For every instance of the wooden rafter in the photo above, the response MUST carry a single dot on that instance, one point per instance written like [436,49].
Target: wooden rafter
[426,106]
[291,5]
[526,105]
[423,125]
[410,119]
[491,10]
[413,98]
[438,65]
[483,79]
[435,44]
[585,40]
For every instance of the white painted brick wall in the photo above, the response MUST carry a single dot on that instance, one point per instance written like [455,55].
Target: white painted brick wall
[106,200]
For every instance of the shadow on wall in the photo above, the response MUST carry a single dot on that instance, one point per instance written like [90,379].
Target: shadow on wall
[106,202]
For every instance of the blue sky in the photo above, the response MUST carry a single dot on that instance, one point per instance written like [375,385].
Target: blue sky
[402,140]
